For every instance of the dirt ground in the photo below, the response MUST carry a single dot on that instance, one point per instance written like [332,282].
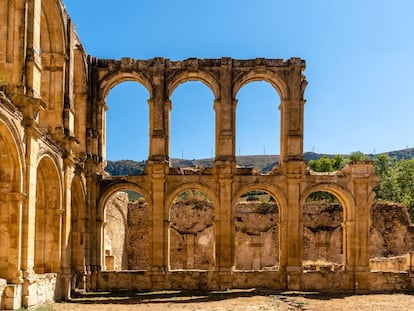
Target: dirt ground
[237,300]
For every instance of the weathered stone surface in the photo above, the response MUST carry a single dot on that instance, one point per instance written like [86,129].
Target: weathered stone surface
[391,230]
[55,223]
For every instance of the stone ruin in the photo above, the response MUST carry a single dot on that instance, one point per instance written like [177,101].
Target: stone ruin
[256,235]
[58,234]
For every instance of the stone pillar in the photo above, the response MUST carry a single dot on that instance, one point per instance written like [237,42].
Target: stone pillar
[225,116]
[291,140]
[11,218]
[66,263]
[225,236]
[93,242]
[292,232]
[159,109]
[29,214]
[33,60]
[159,218]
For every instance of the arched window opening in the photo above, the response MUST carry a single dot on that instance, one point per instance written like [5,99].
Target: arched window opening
[126,232]
[192,135]
[258,125]
[192,233]
[127,129]
[322,232]
[257,231]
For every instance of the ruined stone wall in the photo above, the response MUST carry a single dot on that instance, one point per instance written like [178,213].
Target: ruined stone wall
[392,233]
[138,236]
[322,234]
[192,235]
[257,236]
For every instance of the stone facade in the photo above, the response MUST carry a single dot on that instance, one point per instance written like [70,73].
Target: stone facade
[54,190]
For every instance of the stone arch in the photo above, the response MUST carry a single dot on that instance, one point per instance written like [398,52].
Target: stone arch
[269,76]
[257,116]
[115,232]
[257,229]
[192,232]
[118,186]
[211,193]
[114,78]
[121,260]
[273,190]
[327,238]
[345,197]
[11,174]
[192,104]
[48,216]
[200,75]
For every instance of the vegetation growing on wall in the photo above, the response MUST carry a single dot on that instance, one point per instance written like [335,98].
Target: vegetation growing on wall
[397,176]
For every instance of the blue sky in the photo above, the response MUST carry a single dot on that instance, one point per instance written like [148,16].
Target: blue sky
[359,56]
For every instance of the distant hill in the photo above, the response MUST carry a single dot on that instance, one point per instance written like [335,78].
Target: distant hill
[263,163]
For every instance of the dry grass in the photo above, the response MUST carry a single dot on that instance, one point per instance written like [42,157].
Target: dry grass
[234,300]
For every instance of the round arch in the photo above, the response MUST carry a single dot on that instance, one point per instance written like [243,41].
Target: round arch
[200,76]
[113,188]
[269,76]
[257,233]
[344,196]
[113,79]
[190,186]
[121,256]
[273,190]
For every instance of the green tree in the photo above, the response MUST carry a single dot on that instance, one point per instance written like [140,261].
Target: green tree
[357,156]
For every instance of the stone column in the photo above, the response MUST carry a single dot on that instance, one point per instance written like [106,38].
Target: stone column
[291,141]
[93,230]
[292,245]
[33,60]
[29,213]
[66,263]
[224,233]
[225,117]
[11,205]
[159,108]
[158,216]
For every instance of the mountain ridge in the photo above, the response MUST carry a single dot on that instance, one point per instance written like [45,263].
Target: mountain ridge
[263,163]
